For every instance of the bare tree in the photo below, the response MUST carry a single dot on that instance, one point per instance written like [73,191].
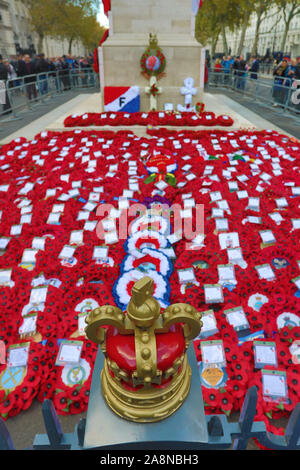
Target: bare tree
[289,9]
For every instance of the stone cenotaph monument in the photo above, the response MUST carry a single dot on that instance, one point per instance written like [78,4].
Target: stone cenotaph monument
[171,25]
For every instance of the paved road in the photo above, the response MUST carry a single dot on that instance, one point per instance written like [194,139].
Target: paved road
[9,125]
[287,121]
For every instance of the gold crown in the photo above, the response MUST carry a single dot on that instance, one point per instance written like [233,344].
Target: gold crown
[153,42]
[147,394]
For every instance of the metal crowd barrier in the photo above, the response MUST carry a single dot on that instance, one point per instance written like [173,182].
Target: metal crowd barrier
[284,94]
[266,68]
[25,93]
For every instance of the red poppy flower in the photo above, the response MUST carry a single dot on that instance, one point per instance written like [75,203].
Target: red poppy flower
[46,391]
[6,406]
[33,380]
[232,352]
[15,410]
[226,403]
[26,392]
[3,394]
[294,382]
[77,406]
[211,397]
[73,393]
[294,334]
[60,402]
[239,374]
[85,393]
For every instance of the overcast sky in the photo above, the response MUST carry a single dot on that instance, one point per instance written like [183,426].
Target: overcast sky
[103,20]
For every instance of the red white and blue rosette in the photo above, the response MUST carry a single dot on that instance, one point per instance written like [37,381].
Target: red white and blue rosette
[135,244]
[149,259]
[123,286]
[145,257]
[155,223]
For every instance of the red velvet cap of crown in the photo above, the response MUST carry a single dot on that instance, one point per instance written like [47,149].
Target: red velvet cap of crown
[121,349]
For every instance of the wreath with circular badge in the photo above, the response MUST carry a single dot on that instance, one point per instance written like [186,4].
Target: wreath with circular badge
[153,61]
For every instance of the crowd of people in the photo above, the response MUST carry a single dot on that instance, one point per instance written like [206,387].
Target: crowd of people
[35,71]
[285,71]
[67,70]
[239,67]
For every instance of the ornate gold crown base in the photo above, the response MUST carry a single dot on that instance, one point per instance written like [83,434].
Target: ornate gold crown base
[146,405]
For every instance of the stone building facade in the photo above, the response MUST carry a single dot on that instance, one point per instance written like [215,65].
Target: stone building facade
[271,33]
[17,35]
[6,30]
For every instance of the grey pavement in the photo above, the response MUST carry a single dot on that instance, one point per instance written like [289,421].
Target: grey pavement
[289,122]
[9,125]
[25,426]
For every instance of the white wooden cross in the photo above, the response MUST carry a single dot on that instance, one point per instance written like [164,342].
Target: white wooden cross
[153,98]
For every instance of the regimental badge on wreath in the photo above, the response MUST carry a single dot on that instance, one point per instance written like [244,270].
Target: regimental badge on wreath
[153,61]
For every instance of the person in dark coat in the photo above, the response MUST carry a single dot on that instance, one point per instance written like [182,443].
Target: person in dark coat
[53,68]
[254,68]
[4,99]
[64,73]
[241,71]
[3,70]
[280,78]
[297,78]
[27,70]
[19,64]
[235,67]
[42,67]
[297,68]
